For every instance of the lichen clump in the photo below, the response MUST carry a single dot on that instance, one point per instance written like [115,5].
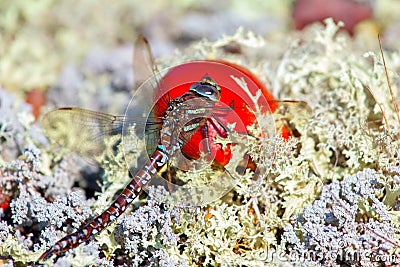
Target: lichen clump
[327,196]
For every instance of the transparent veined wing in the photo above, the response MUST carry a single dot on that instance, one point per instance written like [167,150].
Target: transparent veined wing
[290,116]
[88,132]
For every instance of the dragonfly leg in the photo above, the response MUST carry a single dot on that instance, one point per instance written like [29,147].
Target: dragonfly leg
[207,143]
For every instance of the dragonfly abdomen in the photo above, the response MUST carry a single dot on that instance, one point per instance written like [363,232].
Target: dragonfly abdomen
[182,112]
[135,187]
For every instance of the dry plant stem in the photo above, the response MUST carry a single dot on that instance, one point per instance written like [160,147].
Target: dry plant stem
[380,107]
[388,82]
[384,118]
[391,93]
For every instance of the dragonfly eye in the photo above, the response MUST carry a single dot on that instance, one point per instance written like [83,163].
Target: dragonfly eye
[207,87]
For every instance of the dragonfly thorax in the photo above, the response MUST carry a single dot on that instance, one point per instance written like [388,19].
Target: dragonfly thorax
[208,88]
[188,113]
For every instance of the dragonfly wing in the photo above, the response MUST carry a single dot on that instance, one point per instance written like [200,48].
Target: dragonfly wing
[290,116]
[290,109]
[87,132]
[280,113]
[147,75]
[91,133]
[143,61]
[81,130]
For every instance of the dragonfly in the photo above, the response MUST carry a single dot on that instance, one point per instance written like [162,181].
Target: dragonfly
[179,122]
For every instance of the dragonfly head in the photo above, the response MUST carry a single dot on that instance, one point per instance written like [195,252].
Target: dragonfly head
[208,88]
